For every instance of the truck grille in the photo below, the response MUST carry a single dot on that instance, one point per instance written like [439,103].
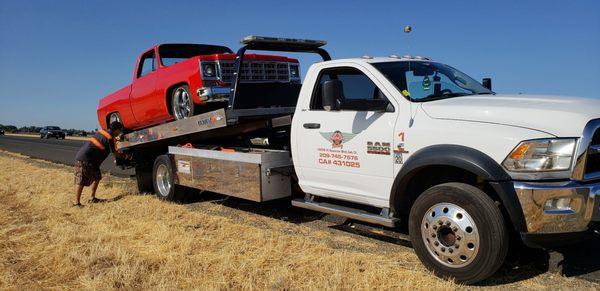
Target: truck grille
[593,159]
[256,71]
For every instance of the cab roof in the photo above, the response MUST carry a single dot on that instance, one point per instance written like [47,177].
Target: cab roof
[372,60]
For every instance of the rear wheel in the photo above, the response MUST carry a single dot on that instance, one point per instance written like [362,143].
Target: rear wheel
[115,116]
[182,104]
[143,176]
[164,180]
[458,232]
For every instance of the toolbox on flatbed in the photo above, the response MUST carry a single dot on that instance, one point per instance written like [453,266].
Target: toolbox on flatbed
[251,175]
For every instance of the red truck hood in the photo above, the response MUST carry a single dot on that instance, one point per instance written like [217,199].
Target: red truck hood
[248,57]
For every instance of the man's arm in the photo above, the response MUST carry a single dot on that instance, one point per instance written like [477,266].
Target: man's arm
[118,154]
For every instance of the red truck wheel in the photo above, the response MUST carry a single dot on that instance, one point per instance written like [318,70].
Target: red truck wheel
[114,117]
[182,103]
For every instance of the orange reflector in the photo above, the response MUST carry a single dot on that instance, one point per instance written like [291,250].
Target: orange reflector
[227,150]
[519,152]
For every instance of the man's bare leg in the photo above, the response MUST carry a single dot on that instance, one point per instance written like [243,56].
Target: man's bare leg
[78,190]
[94,187]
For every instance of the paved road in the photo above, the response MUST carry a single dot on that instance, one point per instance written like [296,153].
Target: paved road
[55,150]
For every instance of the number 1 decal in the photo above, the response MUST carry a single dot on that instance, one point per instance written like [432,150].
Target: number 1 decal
[399,151]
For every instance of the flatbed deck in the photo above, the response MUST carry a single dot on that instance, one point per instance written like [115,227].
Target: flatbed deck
[220,122]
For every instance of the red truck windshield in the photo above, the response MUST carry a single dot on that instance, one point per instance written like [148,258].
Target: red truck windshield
[173,53]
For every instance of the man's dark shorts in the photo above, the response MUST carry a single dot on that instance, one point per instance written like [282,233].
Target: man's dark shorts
[86,173]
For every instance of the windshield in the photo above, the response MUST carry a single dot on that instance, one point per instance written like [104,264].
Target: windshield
[174,53]
[53,128]
[426,81]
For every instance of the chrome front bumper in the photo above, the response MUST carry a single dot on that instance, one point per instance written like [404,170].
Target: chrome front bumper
[213,94]
[584,206]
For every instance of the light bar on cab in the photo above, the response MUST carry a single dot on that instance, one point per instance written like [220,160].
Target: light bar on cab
[253,39]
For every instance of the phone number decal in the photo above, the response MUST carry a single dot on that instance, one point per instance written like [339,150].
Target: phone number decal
[337,157]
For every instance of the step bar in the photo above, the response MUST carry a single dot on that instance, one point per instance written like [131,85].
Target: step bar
[352,213]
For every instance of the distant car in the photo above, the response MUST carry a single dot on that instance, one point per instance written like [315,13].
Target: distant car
[1,131]
[52,131]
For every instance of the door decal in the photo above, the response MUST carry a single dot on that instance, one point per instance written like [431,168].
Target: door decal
[336,155]
[337,138]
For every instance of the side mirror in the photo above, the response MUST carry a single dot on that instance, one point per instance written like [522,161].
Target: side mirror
[487,83]
[332,94]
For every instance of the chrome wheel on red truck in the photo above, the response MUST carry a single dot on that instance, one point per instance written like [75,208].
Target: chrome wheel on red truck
[458,232]
[182,103]
[114,117]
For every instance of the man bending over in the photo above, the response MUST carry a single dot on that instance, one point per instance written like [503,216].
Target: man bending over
[89,158]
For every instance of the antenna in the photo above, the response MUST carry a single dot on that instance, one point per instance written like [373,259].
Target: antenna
[408,30]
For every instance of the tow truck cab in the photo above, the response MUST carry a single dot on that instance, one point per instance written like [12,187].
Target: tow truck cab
[395,141]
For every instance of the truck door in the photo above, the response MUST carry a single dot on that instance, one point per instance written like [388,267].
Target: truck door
[347,154]
[144,102]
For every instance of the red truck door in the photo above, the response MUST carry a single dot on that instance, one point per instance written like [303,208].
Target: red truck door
[144,98]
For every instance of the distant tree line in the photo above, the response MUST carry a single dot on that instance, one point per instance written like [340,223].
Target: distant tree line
[36,129]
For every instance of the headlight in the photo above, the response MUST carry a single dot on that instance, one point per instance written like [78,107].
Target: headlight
[209,70]
[542,155]
[294,72]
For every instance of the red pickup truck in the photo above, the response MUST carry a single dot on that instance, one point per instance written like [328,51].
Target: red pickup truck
[176,81]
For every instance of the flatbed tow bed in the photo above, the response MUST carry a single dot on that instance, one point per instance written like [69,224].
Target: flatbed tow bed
[218,122]
[257,174]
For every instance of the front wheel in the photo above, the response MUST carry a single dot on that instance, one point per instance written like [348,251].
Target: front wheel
[458,232]
[182,104]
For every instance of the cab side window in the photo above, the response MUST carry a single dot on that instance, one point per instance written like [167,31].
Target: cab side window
[358,89]
[147,64]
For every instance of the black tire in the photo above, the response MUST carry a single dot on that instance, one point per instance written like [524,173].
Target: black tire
[178,102]
[489,228]
[143,176]
[162,175]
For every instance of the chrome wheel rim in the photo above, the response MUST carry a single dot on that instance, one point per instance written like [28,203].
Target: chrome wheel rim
[181,104]
[163,180]
[114,117]
[450,235]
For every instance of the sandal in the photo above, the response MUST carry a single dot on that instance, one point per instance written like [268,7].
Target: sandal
[78,205]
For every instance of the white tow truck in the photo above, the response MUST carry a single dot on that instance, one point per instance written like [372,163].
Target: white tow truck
[393,141]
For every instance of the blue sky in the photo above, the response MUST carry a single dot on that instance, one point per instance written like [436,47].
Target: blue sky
[57,58]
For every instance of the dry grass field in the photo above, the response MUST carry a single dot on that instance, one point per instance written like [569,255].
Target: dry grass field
[138,242]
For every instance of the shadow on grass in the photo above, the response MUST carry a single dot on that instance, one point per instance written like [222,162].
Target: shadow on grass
[579,260]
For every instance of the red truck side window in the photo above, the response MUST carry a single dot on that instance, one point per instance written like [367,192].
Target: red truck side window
[147,64]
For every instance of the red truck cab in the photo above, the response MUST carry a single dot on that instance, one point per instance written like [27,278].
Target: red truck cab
[177,81]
